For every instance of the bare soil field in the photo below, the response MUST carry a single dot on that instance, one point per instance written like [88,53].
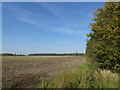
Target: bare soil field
[26,71]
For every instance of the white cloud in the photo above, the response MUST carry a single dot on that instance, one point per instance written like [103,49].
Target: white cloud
[29,17]
[53,11]
[22,14]
[69,31]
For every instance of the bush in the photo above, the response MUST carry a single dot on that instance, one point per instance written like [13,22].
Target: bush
[104,41]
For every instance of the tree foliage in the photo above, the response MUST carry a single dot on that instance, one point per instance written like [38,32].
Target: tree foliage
[104,42]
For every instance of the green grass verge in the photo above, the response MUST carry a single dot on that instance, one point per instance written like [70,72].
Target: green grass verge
[87,75]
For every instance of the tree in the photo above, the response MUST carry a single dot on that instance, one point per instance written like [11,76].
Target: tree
[104,41]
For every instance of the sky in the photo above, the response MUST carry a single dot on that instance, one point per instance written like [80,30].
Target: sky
[49,27]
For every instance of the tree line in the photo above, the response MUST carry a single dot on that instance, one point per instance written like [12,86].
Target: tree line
[104,39]
[11,54]
[57,54]
[44,54]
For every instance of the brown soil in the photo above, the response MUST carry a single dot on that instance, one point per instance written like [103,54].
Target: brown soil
[26,71]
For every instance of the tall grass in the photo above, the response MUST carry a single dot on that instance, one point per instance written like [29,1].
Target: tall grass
[87,75]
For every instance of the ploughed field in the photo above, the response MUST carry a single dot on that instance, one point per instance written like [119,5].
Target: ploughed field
[27,71]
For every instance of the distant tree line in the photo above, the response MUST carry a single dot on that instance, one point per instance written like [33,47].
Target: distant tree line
[44,54]
[56,54]
[11,54]
[104,42]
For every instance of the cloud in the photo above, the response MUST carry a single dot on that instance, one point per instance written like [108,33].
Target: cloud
[53,11]
[67,25]
[70,31]
[22,14]
[17,10]
[29,17]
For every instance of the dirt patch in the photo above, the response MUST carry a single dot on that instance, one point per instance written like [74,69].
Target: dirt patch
[29,80]
[26,71]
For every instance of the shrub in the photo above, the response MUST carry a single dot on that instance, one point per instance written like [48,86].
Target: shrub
[104,41]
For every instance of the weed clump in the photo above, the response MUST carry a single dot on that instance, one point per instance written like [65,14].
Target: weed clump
[87,75]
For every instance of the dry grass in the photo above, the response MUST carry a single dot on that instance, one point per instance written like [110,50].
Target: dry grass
[88,75]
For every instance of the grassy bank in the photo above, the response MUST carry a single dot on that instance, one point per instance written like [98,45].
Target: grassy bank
[87,75]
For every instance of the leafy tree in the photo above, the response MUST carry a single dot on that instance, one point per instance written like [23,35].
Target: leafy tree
[104,41]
